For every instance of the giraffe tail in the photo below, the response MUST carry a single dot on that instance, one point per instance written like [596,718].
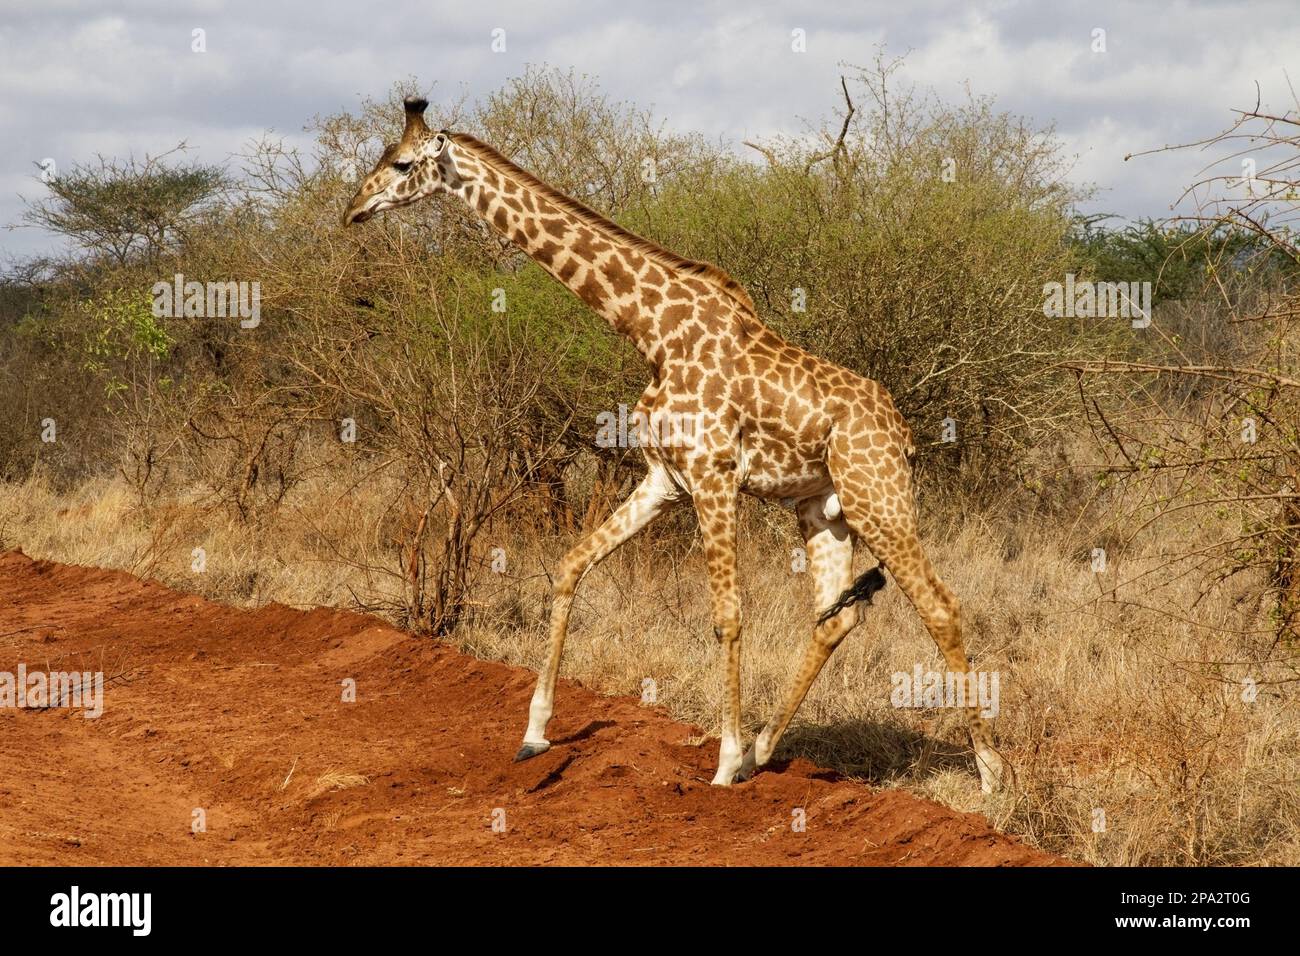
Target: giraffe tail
[862,589]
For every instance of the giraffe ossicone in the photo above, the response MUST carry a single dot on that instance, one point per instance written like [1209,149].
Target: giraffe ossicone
[773,421]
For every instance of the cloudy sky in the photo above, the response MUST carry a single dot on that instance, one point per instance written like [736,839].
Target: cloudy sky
[80,77]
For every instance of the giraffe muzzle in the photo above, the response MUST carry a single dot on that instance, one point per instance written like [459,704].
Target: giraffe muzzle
[364,208]
[355,214]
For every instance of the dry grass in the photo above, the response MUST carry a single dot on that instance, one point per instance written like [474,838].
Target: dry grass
[334,780]
[1104,706]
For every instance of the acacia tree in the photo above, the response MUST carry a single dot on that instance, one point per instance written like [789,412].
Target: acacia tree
[126,208]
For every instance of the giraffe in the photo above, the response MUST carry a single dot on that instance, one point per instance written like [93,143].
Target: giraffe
[769,420]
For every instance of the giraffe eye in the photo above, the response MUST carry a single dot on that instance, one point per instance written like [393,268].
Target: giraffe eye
[402,167]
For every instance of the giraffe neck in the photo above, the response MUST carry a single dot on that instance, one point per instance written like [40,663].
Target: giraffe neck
[600,265]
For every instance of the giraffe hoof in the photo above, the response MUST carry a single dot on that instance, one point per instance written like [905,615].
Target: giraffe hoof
[531,750]
[991,771]
[725,778]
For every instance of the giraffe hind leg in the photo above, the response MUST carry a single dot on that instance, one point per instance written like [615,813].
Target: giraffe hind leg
[875,491]
[829,543]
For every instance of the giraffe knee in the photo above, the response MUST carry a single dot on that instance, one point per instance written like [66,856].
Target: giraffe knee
[726,635]
[566,583]
[572,568]
[944,610]
[726,627]
[951,610]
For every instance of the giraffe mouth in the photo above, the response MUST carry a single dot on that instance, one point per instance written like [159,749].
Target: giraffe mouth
[366,211]
[357,215]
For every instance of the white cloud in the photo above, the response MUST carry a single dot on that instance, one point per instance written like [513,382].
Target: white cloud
[75,80]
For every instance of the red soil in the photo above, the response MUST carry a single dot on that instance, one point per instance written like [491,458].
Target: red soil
[239,713]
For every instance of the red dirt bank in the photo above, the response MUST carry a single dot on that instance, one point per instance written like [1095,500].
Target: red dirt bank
[239,713]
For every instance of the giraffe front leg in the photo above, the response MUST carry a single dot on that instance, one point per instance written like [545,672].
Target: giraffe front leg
[730,752]
[715,503]
[650,499]
[543,702]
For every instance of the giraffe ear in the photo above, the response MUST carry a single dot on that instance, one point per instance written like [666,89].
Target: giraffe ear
[441,151]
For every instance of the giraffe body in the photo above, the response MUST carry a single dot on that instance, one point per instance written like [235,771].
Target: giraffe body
[766,419]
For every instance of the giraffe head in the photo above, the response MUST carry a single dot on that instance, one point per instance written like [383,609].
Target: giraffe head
[418,165]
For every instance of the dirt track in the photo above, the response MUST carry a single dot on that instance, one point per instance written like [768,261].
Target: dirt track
[239,713]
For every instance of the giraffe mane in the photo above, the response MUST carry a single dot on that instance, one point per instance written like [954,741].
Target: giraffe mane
[680,265]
